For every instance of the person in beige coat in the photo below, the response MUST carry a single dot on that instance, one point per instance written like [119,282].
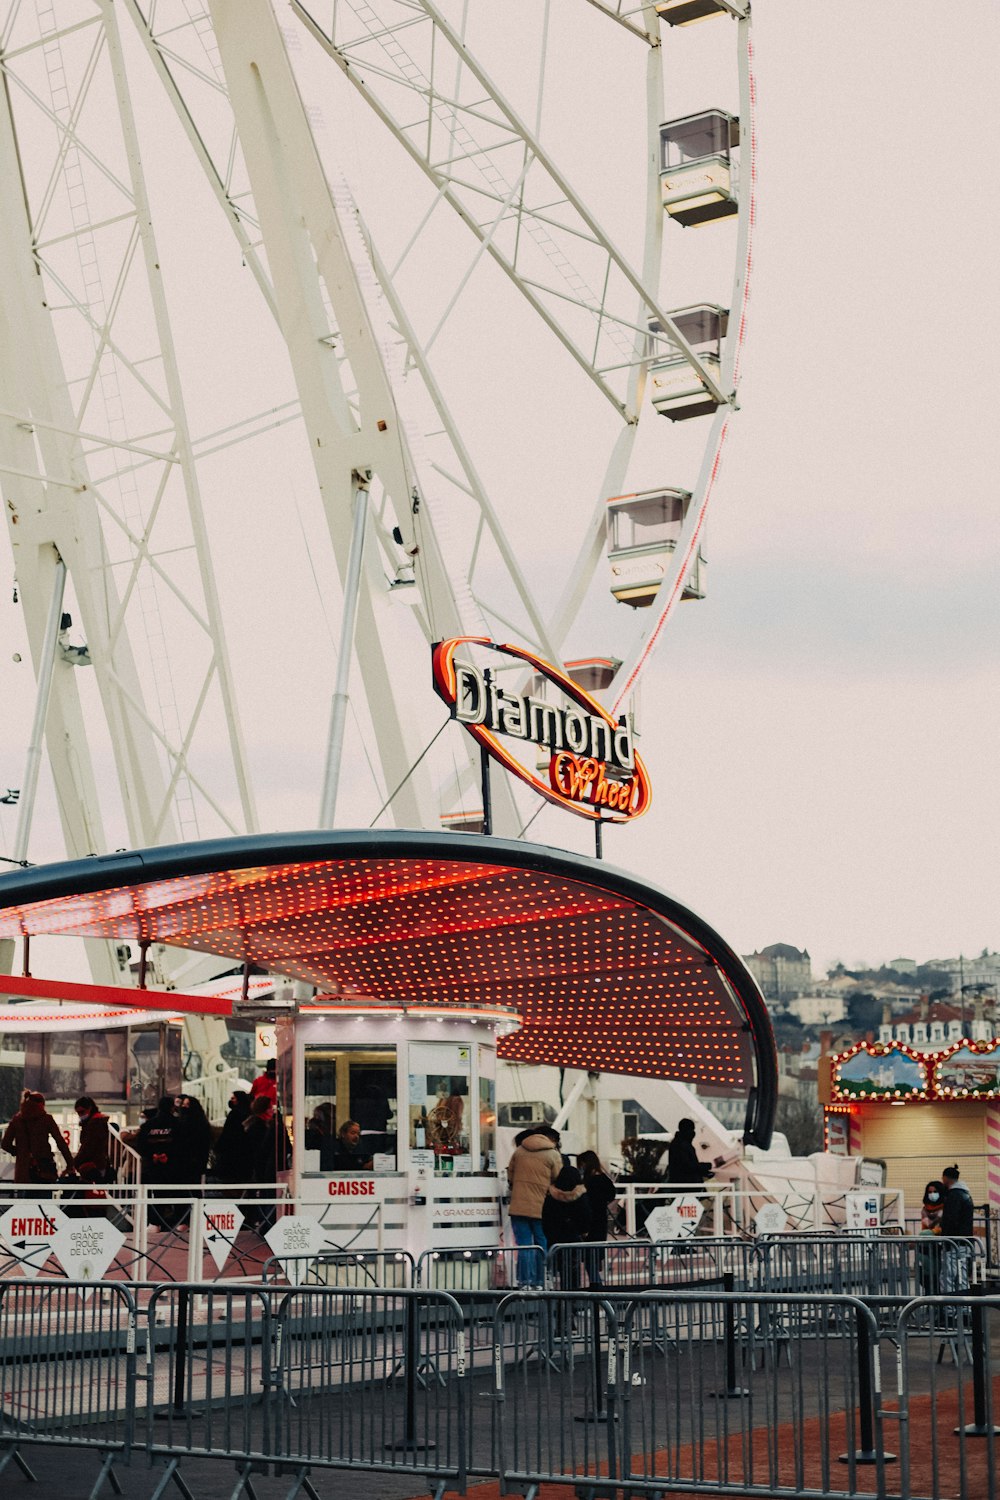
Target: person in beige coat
[531,1171]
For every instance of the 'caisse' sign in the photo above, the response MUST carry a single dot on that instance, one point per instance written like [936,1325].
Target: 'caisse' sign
[593,767]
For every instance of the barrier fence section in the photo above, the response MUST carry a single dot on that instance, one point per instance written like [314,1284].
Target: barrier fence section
[947,1373]
[704,1388]
[342,1268]
[372,1381]
[67,1370]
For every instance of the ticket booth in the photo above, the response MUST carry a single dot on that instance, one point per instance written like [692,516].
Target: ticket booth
[394,1123]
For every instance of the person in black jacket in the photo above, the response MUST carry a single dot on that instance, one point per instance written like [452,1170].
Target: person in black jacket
[232,1152]
[157,1143]
[566,1220]
[600,1196]
[957,1225]
[958,1214]
[683,1165]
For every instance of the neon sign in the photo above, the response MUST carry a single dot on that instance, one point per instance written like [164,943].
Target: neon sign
[594,770]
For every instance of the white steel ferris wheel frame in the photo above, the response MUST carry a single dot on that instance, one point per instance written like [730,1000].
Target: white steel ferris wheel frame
[322,280]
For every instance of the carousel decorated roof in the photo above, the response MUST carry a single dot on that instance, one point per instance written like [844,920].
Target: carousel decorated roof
[605,972]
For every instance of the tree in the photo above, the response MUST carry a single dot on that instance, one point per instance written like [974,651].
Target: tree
[800,1121]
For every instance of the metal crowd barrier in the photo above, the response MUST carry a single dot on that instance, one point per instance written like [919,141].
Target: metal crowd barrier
[372,1381]
[482,1270]
[641,1265]
[358,1269]
[703,1390]
[67,1370]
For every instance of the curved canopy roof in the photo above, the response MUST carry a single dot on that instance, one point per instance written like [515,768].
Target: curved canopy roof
[607,974]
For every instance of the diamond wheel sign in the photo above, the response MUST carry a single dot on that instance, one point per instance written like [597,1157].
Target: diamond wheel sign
[86,1247]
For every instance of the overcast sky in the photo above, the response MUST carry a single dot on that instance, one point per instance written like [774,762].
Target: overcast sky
[822,730]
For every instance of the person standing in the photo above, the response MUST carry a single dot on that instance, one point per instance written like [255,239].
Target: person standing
[957,1224]
[231,1153]
[929,1253]
[92,1158]
[566,1220]
[531,1171]
[600,1195]
[156,1143]
[683,1164]
[265,1085]
[28,1138]
[271,1152]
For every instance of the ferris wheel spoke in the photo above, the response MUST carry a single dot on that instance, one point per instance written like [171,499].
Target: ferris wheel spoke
[591,311]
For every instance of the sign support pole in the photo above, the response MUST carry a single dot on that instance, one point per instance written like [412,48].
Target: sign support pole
[598,839]
[484,768]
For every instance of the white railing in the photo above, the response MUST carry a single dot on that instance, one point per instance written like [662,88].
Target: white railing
[124,1160]
[213,1092]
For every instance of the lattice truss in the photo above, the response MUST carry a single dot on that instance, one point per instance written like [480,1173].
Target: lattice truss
[97,462]
[417,70]
[96,441]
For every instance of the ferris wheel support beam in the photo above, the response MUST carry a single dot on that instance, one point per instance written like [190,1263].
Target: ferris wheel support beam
[307,252]
[220,668]
[53,522]
[43,693]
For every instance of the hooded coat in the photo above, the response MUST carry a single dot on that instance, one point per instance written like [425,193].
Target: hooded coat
[28,1138]
[566,1215]
[958,1216]
[531,1171]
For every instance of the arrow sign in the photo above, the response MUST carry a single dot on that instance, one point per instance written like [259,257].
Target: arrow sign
[31,1231]
[223,1222]
[677,1220]
[86,1247]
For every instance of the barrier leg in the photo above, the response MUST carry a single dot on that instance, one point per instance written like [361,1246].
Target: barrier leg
[411,1363]
[867,1453]
[14,1452]
[244,1483]
[172,1472]
[982,1426]
[302,1482]
[107,1473]
[732,1392]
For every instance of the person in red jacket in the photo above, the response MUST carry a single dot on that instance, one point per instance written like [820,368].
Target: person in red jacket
[265,1085]
[28,1138]
[91,1160]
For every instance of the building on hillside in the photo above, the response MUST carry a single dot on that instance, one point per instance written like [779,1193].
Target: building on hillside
[781,971]
[933,1024]
[902,965]
[818,1010]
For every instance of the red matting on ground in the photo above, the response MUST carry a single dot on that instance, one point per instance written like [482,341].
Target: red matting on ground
[949,1486]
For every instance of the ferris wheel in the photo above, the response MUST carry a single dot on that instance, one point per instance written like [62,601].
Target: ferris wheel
[114,477]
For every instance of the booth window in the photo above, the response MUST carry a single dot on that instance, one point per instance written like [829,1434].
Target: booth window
[350,1083]
[440,1075]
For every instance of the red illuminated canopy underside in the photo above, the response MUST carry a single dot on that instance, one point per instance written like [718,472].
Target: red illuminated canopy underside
[601,980]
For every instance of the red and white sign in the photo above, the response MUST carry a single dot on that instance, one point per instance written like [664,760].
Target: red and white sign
[30,1231]
[222,1223]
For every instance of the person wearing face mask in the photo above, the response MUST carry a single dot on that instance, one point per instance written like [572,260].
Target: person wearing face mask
[91,1161]
[929,1254]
